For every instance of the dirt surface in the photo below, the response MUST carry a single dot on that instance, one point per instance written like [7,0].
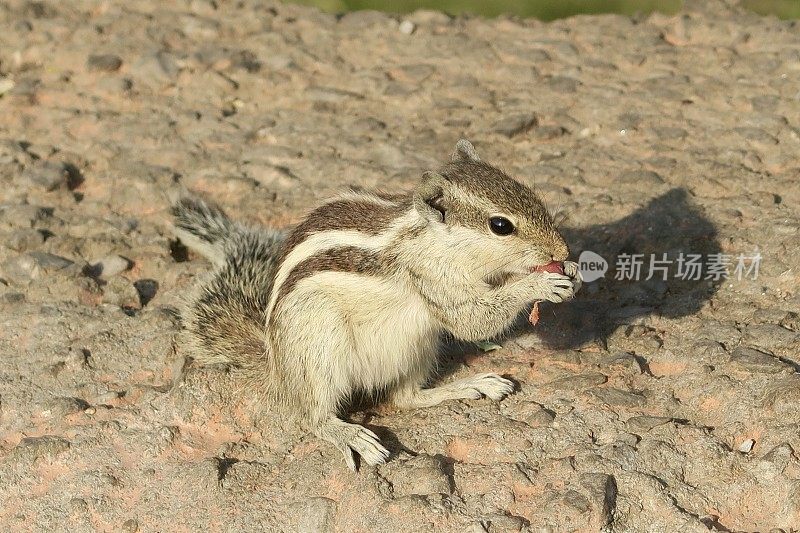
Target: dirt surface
[642,406]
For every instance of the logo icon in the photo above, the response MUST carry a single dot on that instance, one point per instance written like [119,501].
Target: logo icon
[591,266]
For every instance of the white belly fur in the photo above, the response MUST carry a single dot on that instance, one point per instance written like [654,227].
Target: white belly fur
[388,330]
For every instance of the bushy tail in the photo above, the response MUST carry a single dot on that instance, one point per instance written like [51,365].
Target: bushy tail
[203,227]
[224,317]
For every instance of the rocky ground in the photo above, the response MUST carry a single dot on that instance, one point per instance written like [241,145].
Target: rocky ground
[642,406]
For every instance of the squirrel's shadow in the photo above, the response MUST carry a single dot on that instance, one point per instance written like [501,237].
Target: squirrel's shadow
[671,224]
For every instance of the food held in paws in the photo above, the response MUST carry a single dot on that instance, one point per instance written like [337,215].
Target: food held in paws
[555,267]
[534,316]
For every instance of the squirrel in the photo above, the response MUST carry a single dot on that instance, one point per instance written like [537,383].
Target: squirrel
[356,297]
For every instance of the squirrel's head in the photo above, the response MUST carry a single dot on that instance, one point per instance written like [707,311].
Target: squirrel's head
[488,217]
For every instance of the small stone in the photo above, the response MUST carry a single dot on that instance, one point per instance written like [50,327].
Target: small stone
[627,439]
[407,27]
[32,448]
[104,62]
[577,501]
[618,397]
[515,124]
[13,297]
[99,478]
[79,505]
[756,361]
[106,398]
[48,261]
[578,382]
[60,407]
[421,475]
[23,26]
[530,413]
[24,239]
[27,88]
[6,84]
[156,69]
[111,265]
[770,336]
[23,215]
[246,60]
[232,107]
[130,526]
[780,456]
[316,515]
[147,289]
[90,410]
[121,292]
[20,269]
[169,433]
[601,490]
[78,359]
[46,174]
[747,446]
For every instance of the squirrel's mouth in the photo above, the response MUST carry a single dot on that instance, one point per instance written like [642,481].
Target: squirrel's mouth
[497,278]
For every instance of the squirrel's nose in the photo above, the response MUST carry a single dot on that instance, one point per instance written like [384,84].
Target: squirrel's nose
[560,254]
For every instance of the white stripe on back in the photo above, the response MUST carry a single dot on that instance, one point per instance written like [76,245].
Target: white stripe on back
[358,196]
[316,243]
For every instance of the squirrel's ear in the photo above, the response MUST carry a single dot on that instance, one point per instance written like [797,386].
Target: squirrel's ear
[430,197]
[465,152]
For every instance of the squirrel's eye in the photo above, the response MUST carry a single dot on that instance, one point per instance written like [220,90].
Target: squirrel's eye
[501,226]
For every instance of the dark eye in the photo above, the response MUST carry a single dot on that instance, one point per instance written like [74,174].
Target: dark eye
[501,226]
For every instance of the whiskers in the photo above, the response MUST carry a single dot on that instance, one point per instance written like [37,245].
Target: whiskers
[559,217]
[559,214]
[498,270]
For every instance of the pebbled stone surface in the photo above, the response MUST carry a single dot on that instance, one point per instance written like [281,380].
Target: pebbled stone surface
[649,406]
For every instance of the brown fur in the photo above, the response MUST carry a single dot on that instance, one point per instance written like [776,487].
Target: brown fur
[348,259]
[365,217]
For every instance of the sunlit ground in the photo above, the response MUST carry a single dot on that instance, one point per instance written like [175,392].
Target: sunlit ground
[544,9]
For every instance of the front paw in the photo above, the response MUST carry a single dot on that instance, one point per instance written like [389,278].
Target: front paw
[571,270]
[492,386]
[554,288]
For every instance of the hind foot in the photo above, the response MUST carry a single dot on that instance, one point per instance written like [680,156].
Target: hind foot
[352,438]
